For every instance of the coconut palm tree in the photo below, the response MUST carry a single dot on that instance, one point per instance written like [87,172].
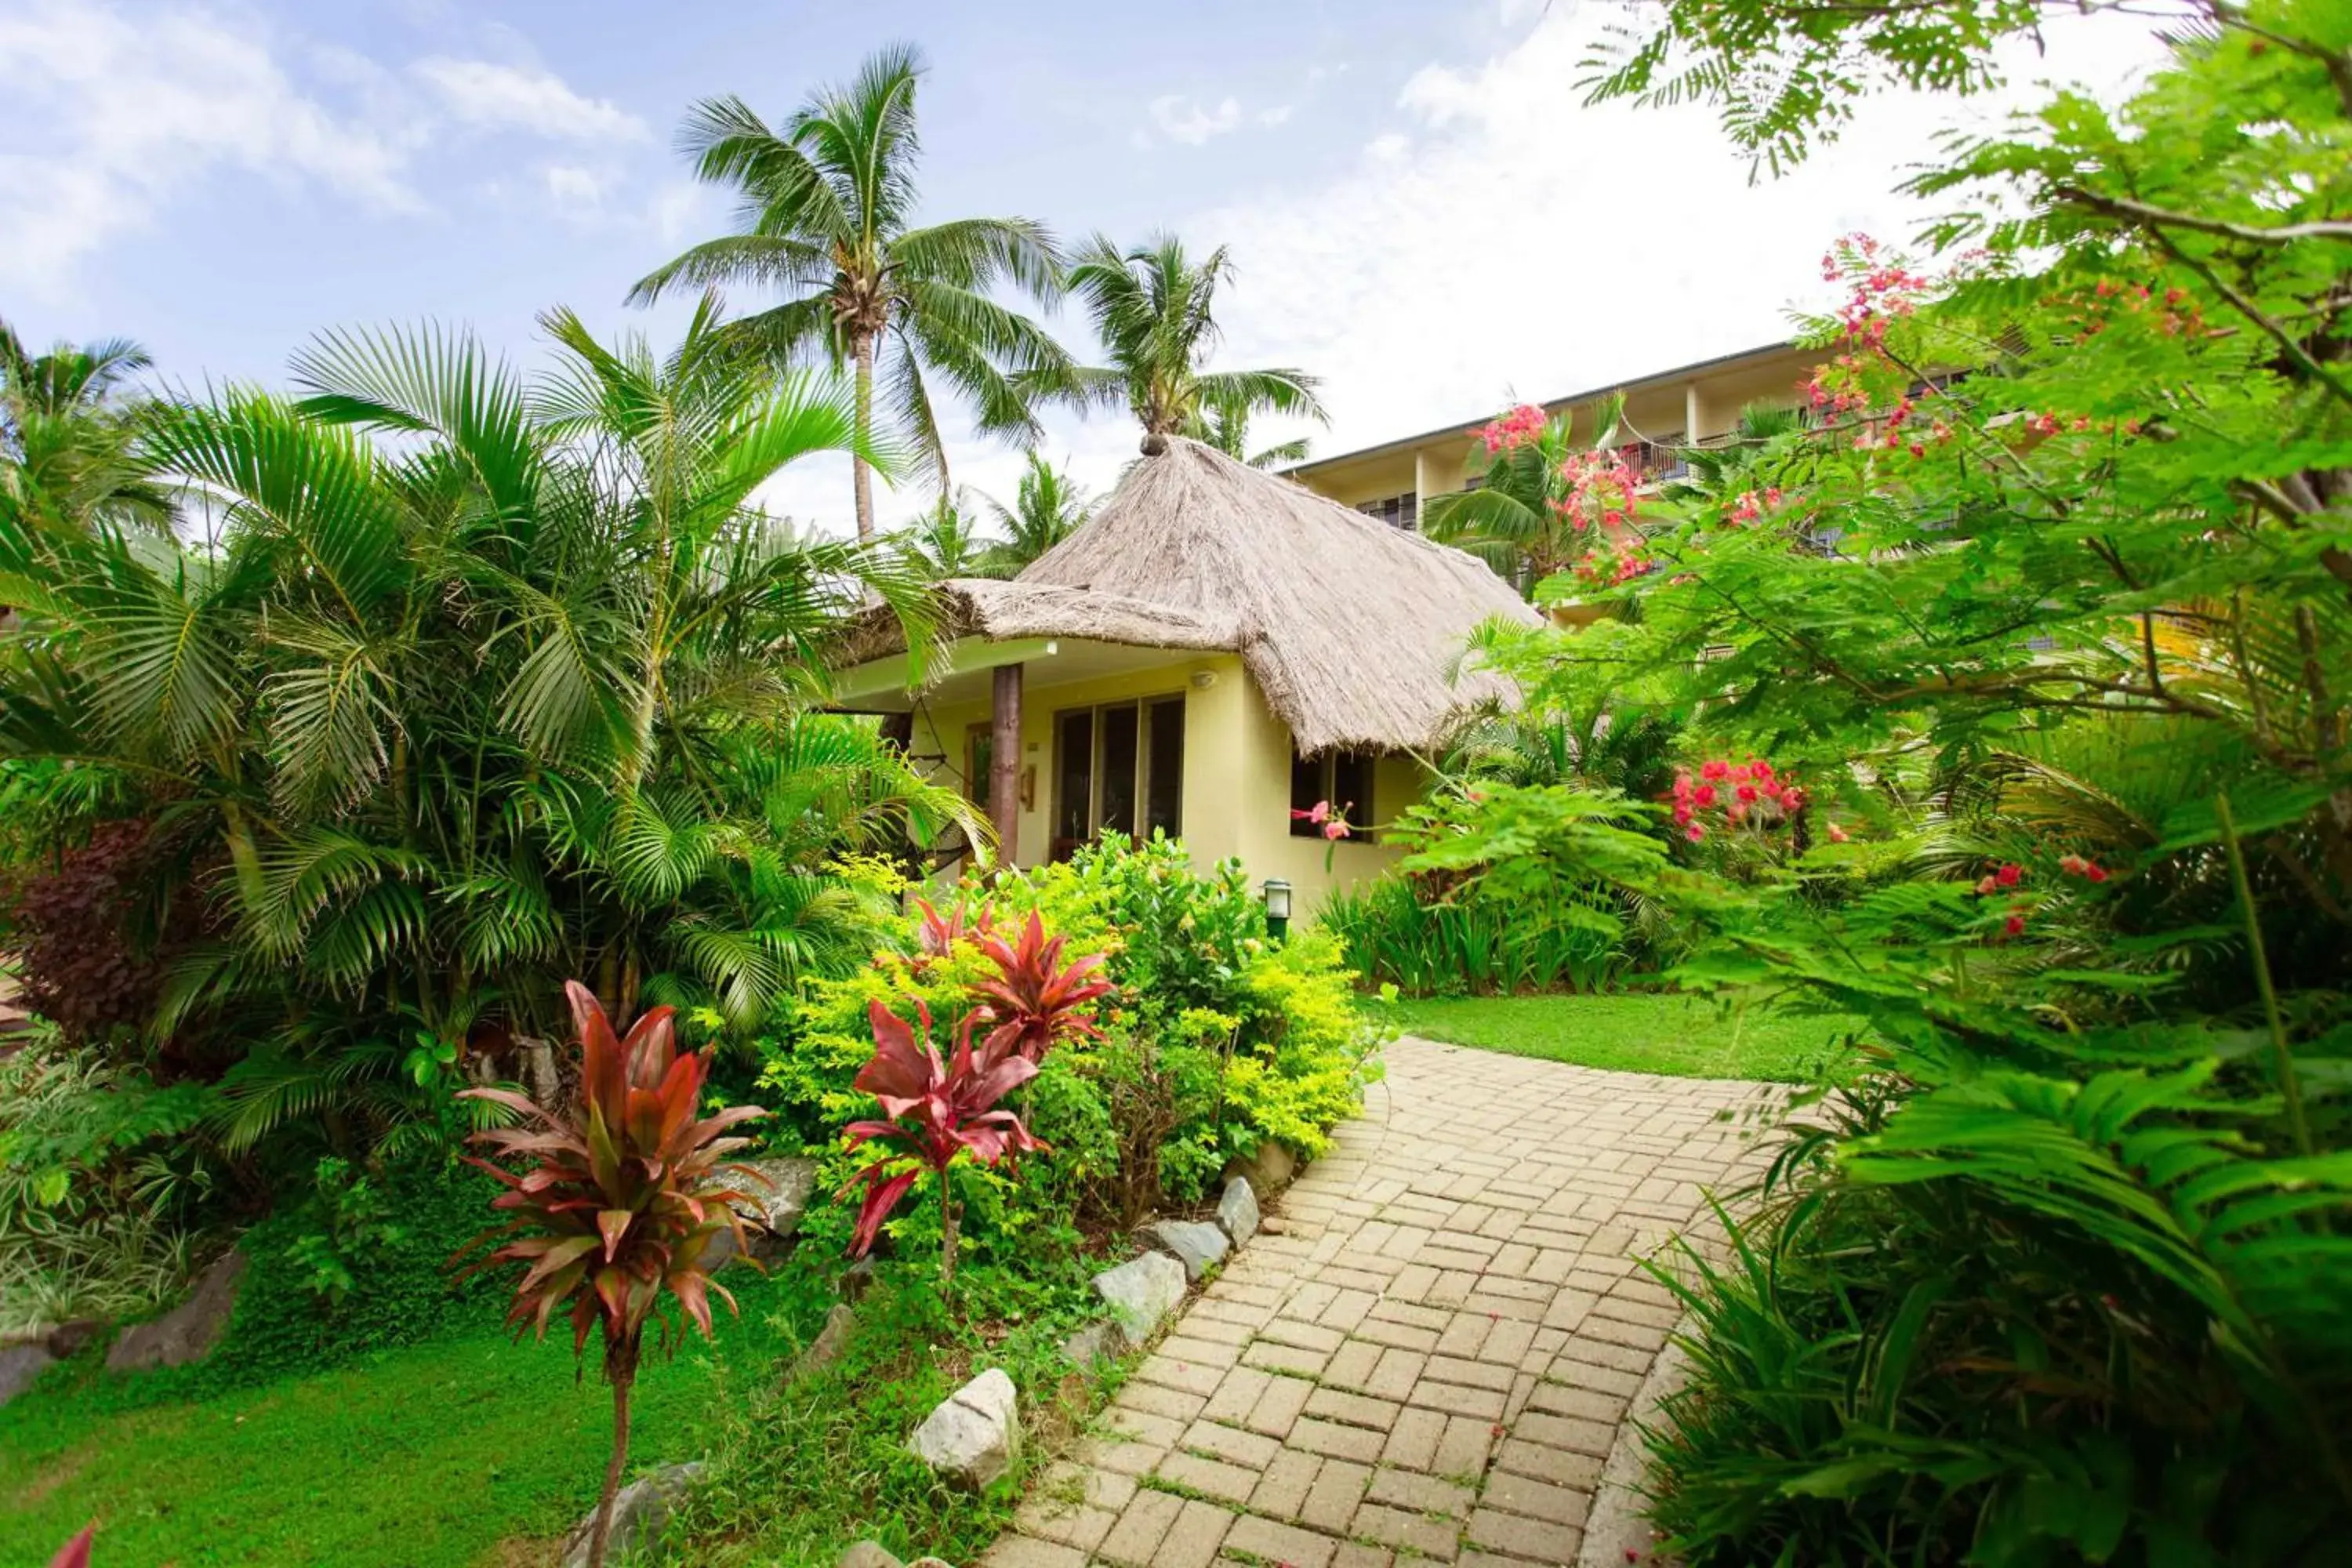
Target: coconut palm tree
[945,540]
[1227,429]
[827,204]
[1154,310]
[1046,508]
[65,430]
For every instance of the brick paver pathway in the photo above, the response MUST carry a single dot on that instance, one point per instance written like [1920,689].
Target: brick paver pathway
[1431,1357]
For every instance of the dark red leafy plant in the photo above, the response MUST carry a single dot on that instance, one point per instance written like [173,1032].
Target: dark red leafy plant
[1034,996]
[619,1196]
[74,1553]
[938,1111]
[935,934]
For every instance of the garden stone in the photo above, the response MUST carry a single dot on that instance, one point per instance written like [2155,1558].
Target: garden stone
[640,1510]
[1199,1248]
[827,1348]
[855,1279]
[19,1365]
[1096,1344]
[66,1339]
[868,1554]
[1140,1292]
[188,1331]
[1269,1170]
[1237,1210]
[772,1207]
[973,1435]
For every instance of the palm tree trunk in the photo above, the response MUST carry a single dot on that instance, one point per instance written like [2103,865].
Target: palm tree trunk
[621,1370]
[861,477]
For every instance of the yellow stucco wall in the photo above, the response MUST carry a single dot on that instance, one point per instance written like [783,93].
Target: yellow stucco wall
[1236,772]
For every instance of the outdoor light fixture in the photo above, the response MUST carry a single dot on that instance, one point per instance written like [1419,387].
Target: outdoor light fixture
[1278,908]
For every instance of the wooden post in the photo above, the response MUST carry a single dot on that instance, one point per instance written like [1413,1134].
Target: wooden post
[1004,762]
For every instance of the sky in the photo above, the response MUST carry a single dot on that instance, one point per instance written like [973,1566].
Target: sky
[1420,209]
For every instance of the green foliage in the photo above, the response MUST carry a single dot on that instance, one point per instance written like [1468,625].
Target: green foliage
[1214,1039]
[96,1186]
[1471,945]
[2051,587]
[520,691]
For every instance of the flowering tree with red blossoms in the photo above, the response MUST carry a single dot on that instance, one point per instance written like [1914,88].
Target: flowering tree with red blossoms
[2046,595]
[1547,502]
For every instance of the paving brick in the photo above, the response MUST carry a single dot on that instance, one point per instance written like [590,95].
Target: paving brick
[1277,1409]
[1463,1450]
[1352,1409]
[1413,1441]
[1237,1395]
[1535,1540]
[1413,1532]
[1198,1379]
[1141,1526]
[1215,1477]
[1356,1443]
[1270,1356]
[1476,1374]
[1270,1541]
[1455,1399]
[1332,1500]
[1286,1330]
[1557,1465]
[1420,1493]
[1250,1448]
[1023,1551]
[1282,1490]
[1515,1493]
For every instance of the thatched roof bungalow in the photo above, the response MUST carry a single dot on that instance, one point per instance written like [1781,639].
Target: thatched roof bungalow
[1216,646]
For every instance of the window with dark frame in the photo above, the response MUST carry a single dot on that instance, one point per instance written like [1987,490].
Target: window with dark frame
[1118,768]
[1343,780]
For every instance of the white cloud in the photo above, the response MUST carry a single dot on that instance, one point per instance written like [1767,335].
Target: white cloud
[107,121]
[514,98]
[573,191]
[1278,115]
[1500,235]
[1181,119]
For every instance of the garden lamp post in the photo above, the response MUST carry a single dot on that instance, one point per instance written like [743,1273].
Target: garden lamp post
[1278,908]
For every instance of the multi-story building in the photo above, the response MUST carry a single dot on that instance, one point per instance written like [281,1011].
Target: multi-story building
[1692,404]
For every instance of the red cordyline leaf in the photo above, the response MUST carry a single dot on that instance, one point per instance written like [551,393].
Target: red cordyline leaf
[1035,1000]
[75,1553]
[938,1111]
[937,934]
[620,1194]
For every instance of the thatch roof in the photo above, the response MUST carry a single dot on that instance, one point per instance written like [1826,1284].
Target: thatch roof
[1352,629]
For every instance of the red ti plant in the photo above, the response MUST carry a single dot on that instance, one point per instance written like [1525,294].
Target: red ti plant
[1035,999]
[938,1111]
[935,934]
[618,1200]
[75,1553]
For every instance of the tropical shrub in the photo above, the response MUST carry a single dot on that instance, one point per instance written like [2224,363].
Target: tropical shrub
[1210,1039]
[521,690]
[2051,591]
[1468,946]
[620,1198]
[97,1189]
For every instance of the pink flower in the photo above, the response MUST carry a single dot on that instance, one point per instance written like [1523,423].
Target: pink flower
[1704,795]
[2014,925]
[1986,887]
[1319,814]
[1837,835]
[2009,875]
[1715,770]
[1747,794]
[1694,833]
[1334,830]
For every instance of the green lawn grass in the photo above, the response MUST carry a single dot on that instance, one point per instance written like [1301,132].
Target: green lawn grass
[1680,1036]
[425,1457]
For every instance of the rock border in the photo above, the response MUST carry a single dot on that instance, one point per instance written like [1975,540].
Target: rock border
[1618,1530]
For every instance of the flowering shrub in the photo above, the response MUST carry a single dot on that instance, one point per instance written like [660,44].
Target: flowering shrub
[1751,794]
